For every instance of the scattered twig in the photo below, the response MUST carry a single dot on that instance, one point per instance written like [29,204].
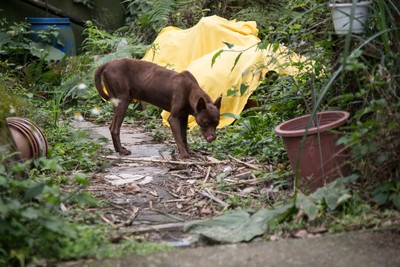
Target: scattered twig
[187,177]
[174,200]
[108,221]
[245,163]
[243,174]
[207,175]
[173,194]
[132,217]
[252,181]
[212,197]
[176,218]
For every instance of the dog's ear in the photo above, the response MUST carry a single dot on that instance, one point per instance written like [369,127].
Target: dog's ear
[217,102]
[201,105]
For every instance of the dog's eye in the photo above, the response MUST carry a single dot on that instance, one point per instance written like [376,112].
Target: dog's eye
[205,123]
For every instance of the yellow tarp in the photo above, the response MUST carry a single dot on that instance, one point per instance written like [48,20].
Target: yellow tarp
[194,48]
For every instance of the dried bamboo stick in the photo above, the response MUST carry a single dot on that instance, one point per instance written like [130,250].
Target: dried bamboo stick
[188,163]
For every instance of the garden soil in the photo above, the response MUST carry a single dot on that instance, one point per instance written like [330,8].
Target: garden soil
[152,194]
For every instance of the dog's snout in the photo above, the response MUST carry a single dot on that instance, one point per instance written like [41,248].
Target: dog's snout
[210,138]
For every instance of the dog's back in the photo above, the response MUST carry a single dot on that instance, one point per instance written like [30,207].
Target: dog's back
[128,79]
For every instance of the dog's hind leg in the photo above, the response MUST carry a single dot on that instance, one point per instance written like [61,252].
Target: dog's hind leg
[115,127]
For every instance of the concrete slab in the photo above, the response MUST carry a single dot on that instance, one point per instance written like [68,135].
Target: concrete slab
[363,248]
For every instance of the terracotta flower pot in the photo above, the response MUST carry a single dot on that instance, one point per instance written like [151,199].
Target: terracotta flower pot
[28,137]
[321,160]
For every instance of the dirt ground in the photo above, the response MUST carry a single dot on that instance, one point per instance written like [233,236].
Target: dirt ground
[151,194]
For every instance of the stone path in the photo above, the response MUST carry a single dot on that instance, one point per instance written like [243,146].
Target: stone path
[136,189]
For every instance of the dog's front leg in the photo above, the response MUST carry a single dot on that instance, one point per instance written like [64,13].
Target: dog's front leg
[176,127]
[184,125]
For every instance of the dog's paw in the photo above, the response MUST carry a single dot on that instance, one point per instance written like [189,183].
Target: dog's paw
[124,152]
[185,156]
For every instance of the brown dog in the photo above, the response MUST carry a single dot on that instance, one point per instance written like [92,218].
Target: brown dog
[179,93]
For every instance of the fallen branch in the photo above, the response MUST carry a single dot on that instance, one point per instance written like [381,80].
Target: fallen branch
[186,177]
[176,218]
[212,197]
[207,175]
[243,174]
[135,212]
[245,163]
[167,226]
[174,200]
[202,163]
[108,221]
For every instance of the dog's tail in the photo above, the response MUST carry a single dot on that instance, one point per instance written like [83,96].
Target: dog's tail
[98,83]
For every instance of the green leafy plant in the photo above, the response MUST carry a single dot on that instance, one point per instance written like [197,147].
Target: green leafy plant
[373,96]
[33,227]
[73,149]
[150,15]
[251,135]
[98,41]
[18,46]
[328,197]
[31,223]
[387,193]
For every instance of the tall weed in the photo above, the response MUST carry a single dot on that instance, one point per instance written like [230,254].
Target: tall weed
[371,77]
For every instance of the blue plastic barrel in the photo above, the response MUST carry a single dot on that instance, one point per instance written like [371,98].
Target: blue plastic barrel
[63,26]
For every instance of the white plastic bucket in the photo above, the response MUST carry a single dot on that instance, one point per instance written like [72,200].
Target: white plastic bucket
[343,20]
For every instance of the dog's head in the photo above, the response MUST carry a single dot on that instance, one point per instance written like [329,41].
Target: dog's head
[207,117]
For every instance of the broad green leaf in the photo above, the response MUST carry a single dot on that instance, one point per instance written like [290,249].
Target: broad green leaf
[306,204]
[34,191]
[275,47]
[215,57]
[3,38]
[3,169]
[3,208]
[45,51]
[53,225]
[332,198]
[243,88]
[231,92]
[3,180]
[380,198]
[238,226]
[346,180]
[50,164]
[31,213]
[229,45]
[395,198]
[85,199]
[236,60]
[81,179]
[343,198]
[231,115]
[264,44]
